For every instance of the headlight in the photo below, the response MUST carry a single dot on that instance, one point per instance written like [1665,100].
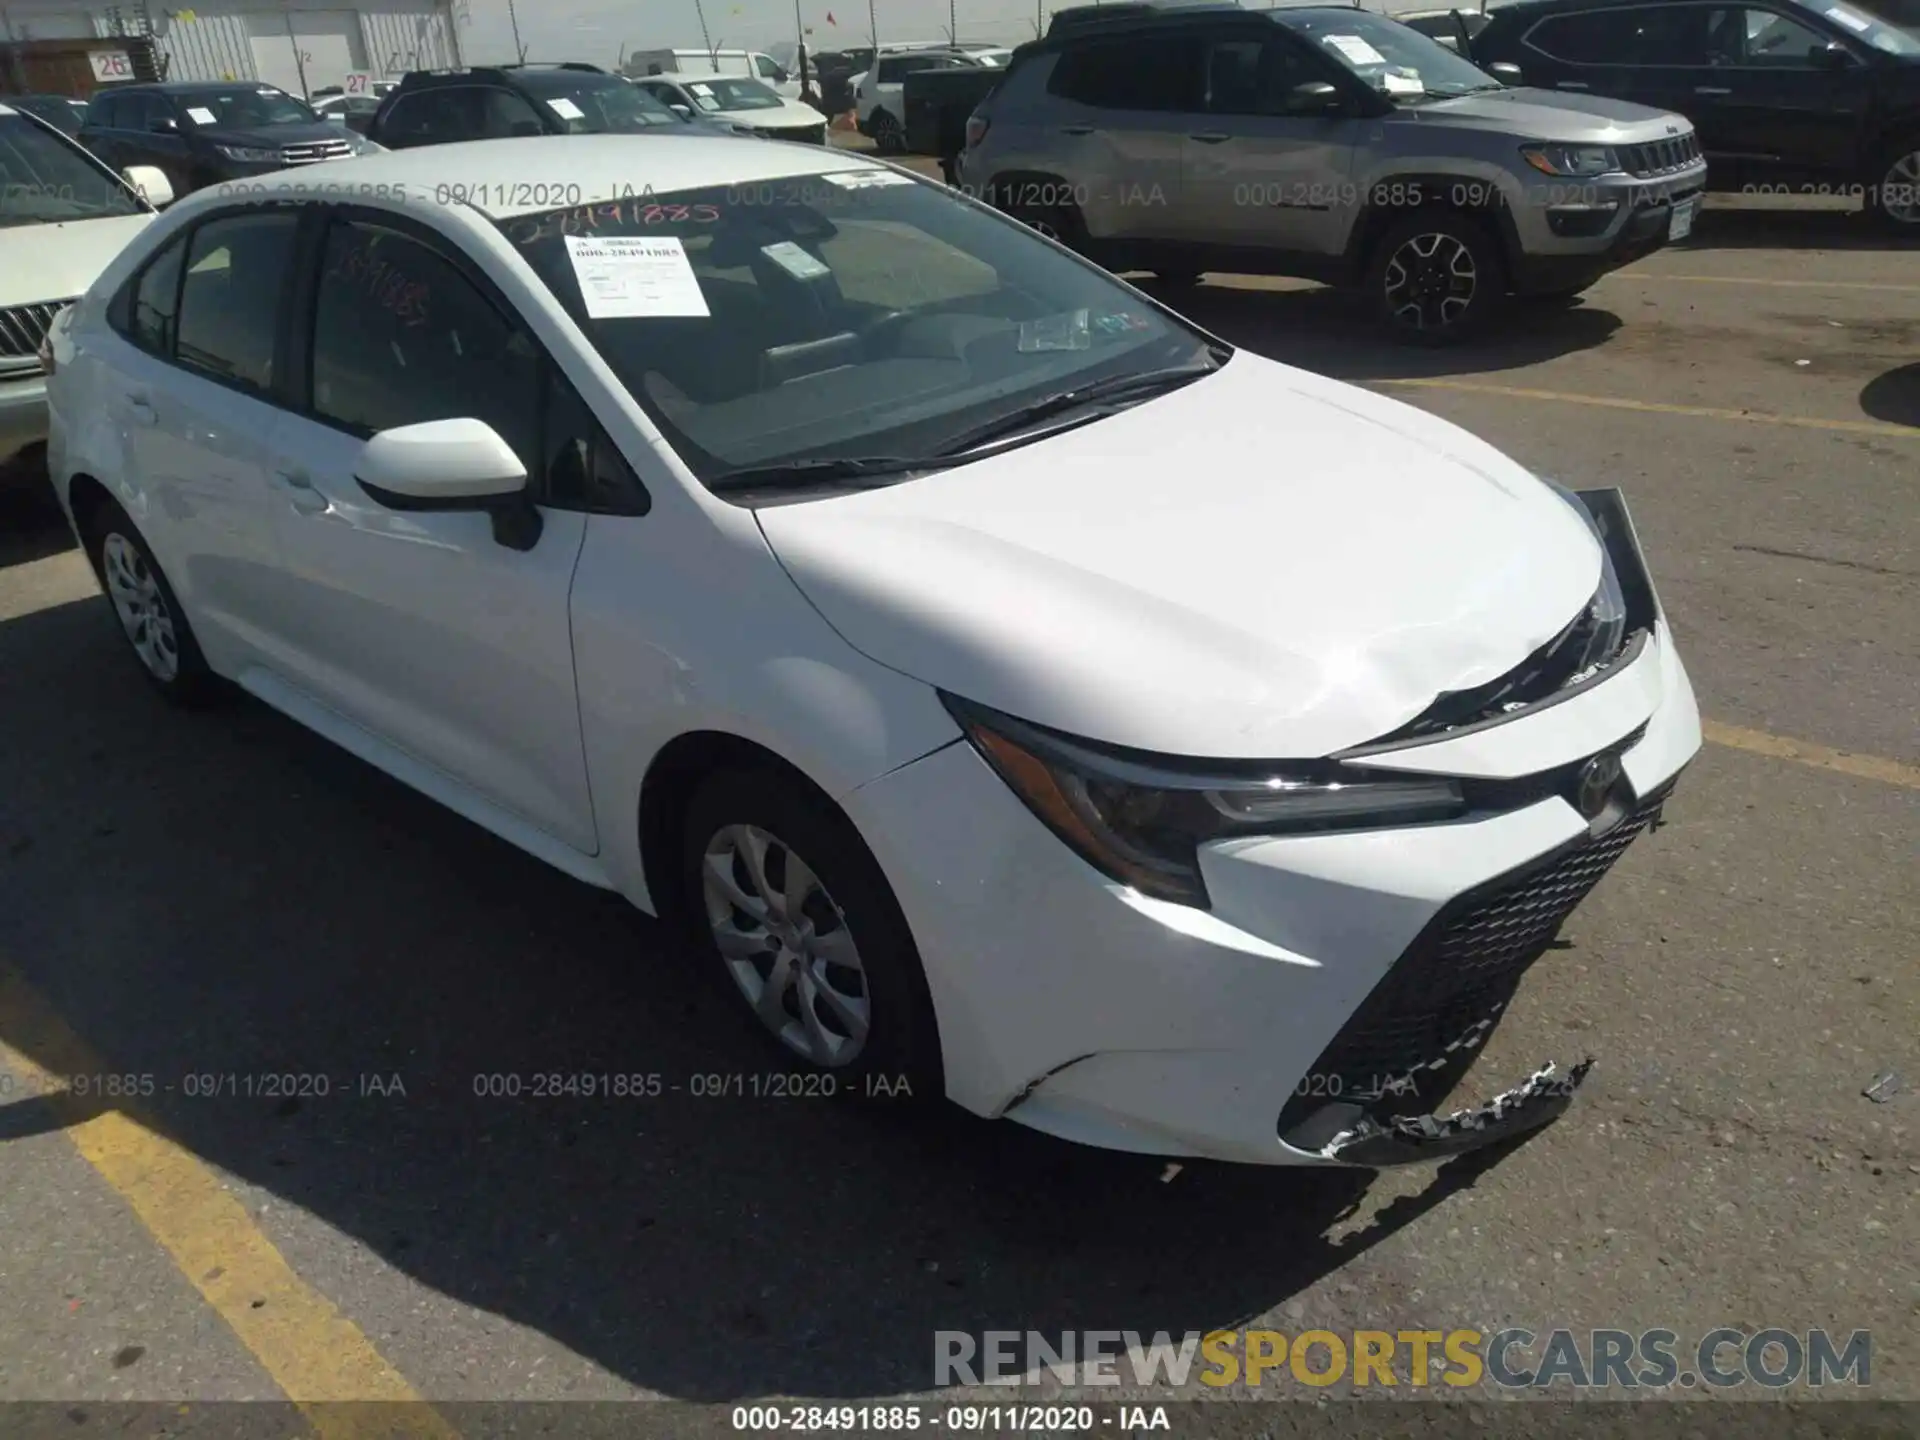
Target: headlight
[1565,161]
[1606,614]
[248,153]
[1141,819]
[365,146]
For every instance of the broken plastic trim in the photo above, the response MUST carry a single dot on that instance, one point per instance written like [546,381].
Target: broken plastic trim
[1408,1138]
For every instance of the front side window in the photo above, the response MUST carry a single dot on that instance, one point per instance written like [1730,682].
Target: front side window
[1762,40]
[45,179]
[835,315]
[1157,72]
[243,107]
[401,336]
[504,114]
[433,117]
[1394,59]
[1663,35]
[230,296]
[1247,77]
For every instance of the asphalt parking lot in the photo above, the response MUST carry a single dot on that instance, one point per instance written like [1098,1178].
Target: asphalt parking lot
[226,895]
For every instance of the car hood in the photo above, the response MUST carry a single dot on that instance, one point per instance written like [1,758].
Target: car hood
[1549,115]
[59,260]
[273,137]
[789,116]
[1262,564]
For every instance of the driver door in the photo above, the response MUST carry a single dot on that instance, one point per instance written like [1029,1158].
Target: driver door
[1260,169]
[422,627]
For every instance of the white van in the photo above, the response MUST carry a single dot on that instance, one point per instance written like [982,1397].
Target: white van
[761,66]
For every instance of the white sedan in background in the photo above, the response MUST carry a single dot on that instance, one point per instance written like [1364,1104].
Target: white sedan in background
[1012,692]
[740,100]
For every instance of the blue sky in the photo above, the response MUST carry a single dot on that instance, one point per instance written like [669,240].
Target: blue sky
[595,30]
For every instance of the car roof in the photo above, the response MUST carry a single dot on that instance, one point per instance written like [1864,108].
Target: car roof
[547,164]
[193,87]
[695,77]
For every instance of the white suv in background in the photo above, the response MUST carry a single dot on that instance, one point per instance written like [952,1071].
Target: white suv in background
[878,107]
[63,217]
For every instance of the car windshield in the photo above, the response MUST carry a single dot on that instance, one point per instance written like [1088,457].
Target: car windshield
[56,110]
[732,92]
[598,105]
[44,179]
[825,317]
[243,107]
[1877,30]
[1395,59]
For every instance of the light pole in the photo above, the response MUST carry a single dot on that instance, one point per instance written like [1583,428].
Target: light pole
[513,18]
[700,11]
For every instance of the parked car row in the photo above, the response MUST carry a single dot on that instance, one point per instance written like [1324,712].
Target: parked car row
[873,631]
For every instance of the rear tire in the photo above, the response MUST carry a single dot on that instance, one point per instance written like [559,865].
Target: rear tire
[796,920]
[1893,191]
[155,626]
[888,137]
[1437,277]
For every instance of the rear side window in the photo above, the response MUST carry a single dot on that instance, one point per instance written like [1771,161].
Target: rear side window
[1138,72]
[230,297]
[1667,35]
[102,110]
[431,117]
[401,337]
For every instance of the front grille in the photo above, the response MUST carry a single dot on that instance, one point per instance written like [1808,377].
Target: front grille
[317,151]
[1660,157]
[22,328]
[1407,1044]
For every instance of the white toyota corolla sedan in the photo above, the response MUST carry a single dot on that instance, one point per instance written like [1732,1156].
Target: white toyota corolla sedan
[1017,693]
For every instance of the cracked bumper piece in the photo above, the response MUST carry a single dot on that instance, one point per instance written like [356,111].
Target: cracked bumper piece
[1359,967]
[1403,1139]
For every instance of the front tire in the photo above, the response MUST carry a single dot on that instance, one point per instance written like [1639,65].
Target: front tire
[794,915]
[888,137]
[151,618]
[1437,277]
[1893,195]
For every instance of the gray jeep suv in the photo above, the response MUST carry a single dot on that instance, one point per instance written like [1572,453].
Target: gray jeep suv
[1333,144]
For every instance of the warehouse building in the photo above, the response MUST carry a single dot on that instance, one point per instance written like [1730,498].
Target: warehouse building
[299,45]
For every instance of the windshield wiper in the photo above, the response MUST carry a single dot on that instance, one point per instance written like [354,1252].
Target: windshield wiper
[1142,383]
[792,474]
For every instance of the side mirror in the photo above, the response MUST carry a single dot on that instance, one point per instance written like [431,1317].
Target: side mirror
[1834,56]
[150,183]
[1505,71]
[165,125]
[1313,97]
[452,465]
[685,112]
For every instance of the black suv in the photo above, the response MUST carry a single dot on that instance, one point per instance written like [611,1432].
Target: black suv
[65,114]
[1820,98]
[498,102]
[203,133]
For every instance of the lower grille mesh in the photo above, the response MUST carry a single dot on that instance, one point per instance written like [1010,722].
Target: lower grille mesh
[1430,1012]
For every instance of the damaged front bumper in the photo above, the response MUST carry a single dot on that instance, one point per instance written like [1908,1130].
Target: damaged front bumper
[1407,1139]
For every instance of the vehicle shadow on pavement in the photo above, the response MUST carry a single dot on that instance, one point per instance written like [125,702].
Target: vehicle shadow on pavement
[31,525]
[1750,227]
[1333,332]
[1894,397]
[224,895]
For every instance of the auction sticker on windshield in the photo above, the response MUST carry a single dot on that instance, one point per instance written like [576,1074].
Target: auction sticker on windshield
[865,179]
[200,115]
[623,278]
[565,108]
[1356,50]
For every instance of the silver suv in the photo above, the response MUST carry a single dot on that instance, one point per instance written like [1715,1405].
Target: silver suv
[1333,144]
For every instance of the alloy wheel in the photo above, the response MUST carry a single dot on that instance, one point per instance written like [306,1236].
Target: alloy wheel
[786,944]
[1900,189]
[1431,281]
[142,607]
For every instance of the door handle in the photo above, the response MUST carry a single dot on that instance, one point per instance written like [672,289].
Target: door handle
[142,409]
[300,490]
[1712,90]
[1076,129]
[1211,137]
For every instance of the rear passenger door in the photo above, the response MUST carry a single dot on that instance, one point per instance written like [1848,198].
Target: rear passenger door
[1258,169]
[1125,107]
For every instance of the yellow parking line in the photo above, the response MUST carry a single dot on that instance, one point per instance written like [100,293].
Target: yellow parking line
[321,1359]
[1632,274]
[1651,407]
[1805,752]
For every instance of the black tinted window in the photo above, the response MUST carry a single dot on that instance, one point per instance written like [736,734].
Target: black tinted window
[400,337]
[1763,39]
[432,117]
[100,110]
[504,114]
[1134,73]
[230,297]
[156,301]
[1669,35]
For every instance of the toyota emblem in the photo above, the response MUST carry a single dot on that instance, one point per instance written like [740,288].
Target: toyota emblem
[1595,785]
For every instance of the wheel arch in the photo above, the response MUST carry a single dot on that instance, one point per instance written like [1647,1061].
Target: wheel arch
[87,499]
[1457,191]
